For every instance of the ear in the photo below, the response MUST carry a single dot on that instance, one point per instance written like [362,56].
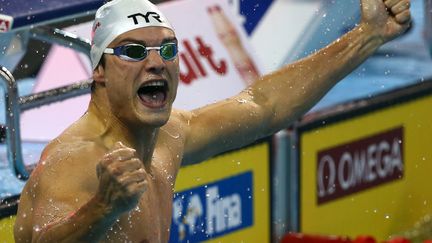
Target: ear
[99,74]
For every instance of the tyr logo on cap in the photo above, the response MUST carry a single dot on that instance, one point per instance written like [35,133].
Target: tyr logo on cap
[155,15]
[5,23]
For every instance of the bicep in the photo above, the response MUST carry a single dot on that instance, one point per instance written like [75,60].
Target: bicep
[57,198]
[225,125]
[60,188]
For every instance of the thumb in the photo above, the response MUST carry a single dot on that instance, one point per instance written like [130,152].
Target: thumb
[118,145]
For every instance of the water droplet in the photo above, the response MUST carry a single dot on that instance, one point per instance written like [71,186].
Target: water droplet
[175,136]
[242,101]
[37,228]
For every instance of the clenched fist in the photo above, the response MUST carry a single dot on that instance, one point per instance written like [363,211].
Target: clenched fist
[122,178]
[389,18]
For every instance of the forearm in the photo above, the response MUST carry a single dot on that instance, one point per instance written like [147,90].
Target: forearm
[291,91]
[88,224]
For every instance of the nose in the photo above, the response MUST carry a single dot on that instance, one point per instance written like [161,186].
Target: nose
[154,62]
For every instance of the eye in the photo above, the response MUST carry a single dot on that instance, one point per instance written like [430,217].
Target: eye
[168,51]
[135,51]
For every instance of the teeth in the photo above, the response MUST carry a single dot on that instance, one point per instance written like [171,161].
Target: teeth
[154,83]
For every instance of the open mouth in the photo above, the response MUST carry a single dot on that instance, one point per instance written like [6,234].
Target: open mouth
[154,94]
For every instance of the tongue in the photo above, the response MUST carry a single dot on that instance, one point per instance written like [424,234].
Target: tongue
[153,99]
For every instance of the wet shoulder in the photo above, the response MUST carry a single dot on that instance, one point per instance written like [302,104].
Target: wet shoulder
[177,125]
[69,161]
[61,149]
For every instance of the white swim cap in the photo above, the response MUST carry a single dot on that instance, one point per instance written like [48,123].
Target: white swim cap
[120,16]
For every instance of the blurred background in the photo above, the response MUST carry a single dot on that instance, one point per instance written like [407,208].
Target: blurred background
[359,157]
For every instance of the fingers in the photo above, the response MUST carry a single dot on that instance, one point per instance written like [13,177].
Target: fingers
[403,17]
[119,154]
[118,161]
[118,145]
[400,7]
[133,183]
[122,178]
[119,149]
[125,166]
[390,3]
[137,176]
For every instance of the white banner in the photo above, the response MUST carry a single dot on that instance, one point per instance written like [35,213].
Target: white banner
[215,57]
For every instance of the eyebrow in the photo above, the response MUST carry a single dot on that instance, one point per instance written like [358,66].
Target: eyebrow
[131,40]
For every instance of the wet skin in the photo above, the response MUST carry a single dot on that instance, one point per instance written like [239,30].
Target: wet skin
[115,113]
[110,176]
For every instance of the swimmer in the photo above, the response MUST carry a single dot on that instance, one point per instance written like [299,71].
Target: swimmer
[110,176]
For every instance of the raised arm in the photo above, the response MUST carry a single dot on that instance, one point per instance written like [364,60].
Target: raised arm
[277,99]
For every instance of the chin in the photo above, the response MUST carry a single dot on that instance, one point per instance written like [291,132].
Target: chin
[156,119]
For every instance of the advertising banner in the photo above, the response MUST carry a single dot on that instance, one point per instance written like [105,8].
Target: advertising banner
[367,173]
[6,229]
[225,199]
[5,23]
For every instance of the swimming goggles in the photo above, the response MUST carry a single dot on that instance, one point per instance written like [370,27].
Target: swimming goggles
[138,52]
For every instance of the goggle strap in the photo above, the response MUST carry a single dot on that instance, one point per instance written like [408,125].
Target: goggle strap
[109,51]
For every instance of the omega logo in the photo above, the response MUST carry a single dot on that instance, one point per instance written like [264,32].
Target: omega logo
[360,165]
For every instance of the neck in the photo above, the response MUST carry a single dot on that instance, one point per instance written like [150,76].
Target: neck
[142,138]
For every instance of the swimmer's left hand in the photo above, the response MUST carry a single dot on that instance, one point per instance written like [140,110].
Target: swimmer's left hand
[387,18]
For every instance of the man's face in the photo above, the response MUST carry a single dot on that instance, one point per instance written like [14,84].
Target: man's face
[142,92]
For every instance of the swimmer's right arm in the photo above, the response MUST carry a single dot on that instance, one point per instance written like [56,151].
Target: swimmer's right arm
[122,181]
